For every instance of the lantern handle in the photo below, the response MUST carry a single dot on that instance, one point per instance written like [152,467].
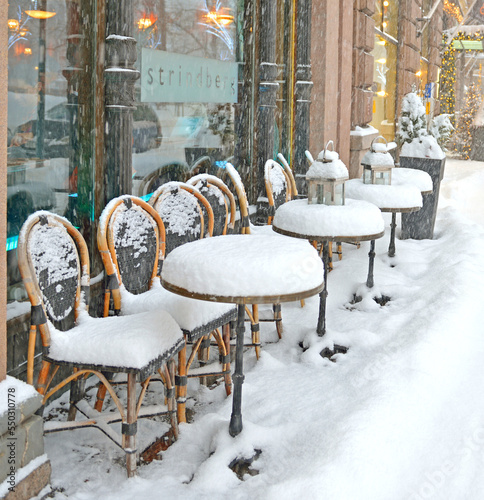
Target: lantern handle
[326,147]
[375,139]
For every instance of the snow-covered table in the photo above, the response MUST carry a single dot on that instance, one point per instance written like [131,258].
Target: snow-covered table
[352,222]
[242,269]
[396,198]
[418,178]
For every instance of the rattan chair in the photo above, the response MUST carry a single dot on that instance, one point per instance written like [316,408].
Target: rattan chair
[173,171]
[54,263]
[175,211]
[221,200]
[290,175]
[278,187]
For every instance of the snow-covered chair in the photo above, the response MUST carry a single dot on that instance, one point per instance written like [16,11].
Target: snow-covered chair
[278,187]
[54,263]
[221,200]
[178,216]
[290,175]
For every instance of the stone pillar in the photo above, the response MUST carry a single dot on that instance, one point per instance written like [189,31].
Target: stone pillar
[434,55]
[120,101]
[22,442]
[331,65]
[362,102]
[267,92]
[302,91]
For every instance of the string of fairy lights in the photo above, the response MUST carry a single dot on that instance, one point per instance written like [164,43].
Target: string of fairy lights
[448,72]
[453,10]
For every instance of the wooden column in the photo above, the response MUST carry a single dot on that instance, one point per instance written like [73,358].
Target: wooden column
[266,102]
[120,101]
[243,118]
[302,90]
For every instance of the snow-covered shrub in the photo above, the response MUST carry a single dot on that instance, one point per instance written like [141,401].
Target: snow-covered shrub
[412,135]
[412,123]
[425,147]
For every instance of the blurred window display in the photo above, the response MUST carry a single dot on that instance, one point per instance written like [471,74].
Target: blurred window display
[187,90]
[53,112]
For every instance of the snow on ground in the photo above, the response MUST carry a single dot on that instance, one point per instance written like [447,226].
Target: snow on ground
[399,416]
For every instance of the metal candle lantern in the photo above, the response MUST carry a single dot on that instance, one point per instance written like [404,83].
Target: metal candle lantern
[377,164]
[326,179]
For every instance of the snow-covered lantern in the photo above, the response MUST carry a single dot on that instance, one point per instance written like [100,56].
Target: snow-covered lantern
[377,164]
[326,179]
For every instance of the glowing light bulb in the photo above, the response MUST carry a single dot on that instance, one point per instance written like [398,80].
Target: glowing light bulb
[13,24]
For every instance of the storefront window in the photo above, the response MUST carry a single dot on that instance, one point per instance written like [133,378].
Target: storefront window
[384,87]
[46,129]
[386,16]
[187,89]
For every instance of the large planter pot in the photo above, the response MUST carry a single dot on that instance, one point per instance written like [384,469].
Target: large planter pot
[420,225]
[477,151]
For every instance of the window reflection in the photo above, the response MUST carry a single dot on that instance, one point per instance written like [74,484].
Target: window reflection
[190,135]
[39,120]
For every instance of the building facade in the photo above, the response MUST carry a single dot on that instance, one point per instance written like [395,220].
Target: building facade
[105,96]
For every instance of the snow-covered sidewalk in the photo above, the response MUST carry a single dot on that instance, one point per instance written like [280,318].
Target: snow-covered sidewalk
[400,416]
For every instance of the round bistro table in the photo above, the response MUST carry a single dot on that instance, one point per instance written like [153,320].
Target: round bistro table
[394,198]
[352,222]
[244,269]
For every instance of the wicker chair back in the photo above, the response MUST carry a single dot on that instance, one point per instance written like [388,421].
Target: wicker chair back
[221,200]
[277,187]
[180,207]
[52,255]
[133,237]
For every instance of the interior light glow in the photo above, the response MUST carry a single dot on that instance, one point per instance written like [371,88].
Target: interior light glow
[40,14]
[13,24]
[218,17]
[146,21]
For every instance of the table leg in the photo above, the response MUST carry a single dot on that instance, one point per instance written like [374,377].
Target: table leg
[321,328]
[238,378]
[393,225]
[371,255]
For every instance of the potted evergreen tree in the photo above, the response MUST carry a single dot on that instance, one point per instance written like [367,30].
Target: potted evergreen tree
[419,150]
